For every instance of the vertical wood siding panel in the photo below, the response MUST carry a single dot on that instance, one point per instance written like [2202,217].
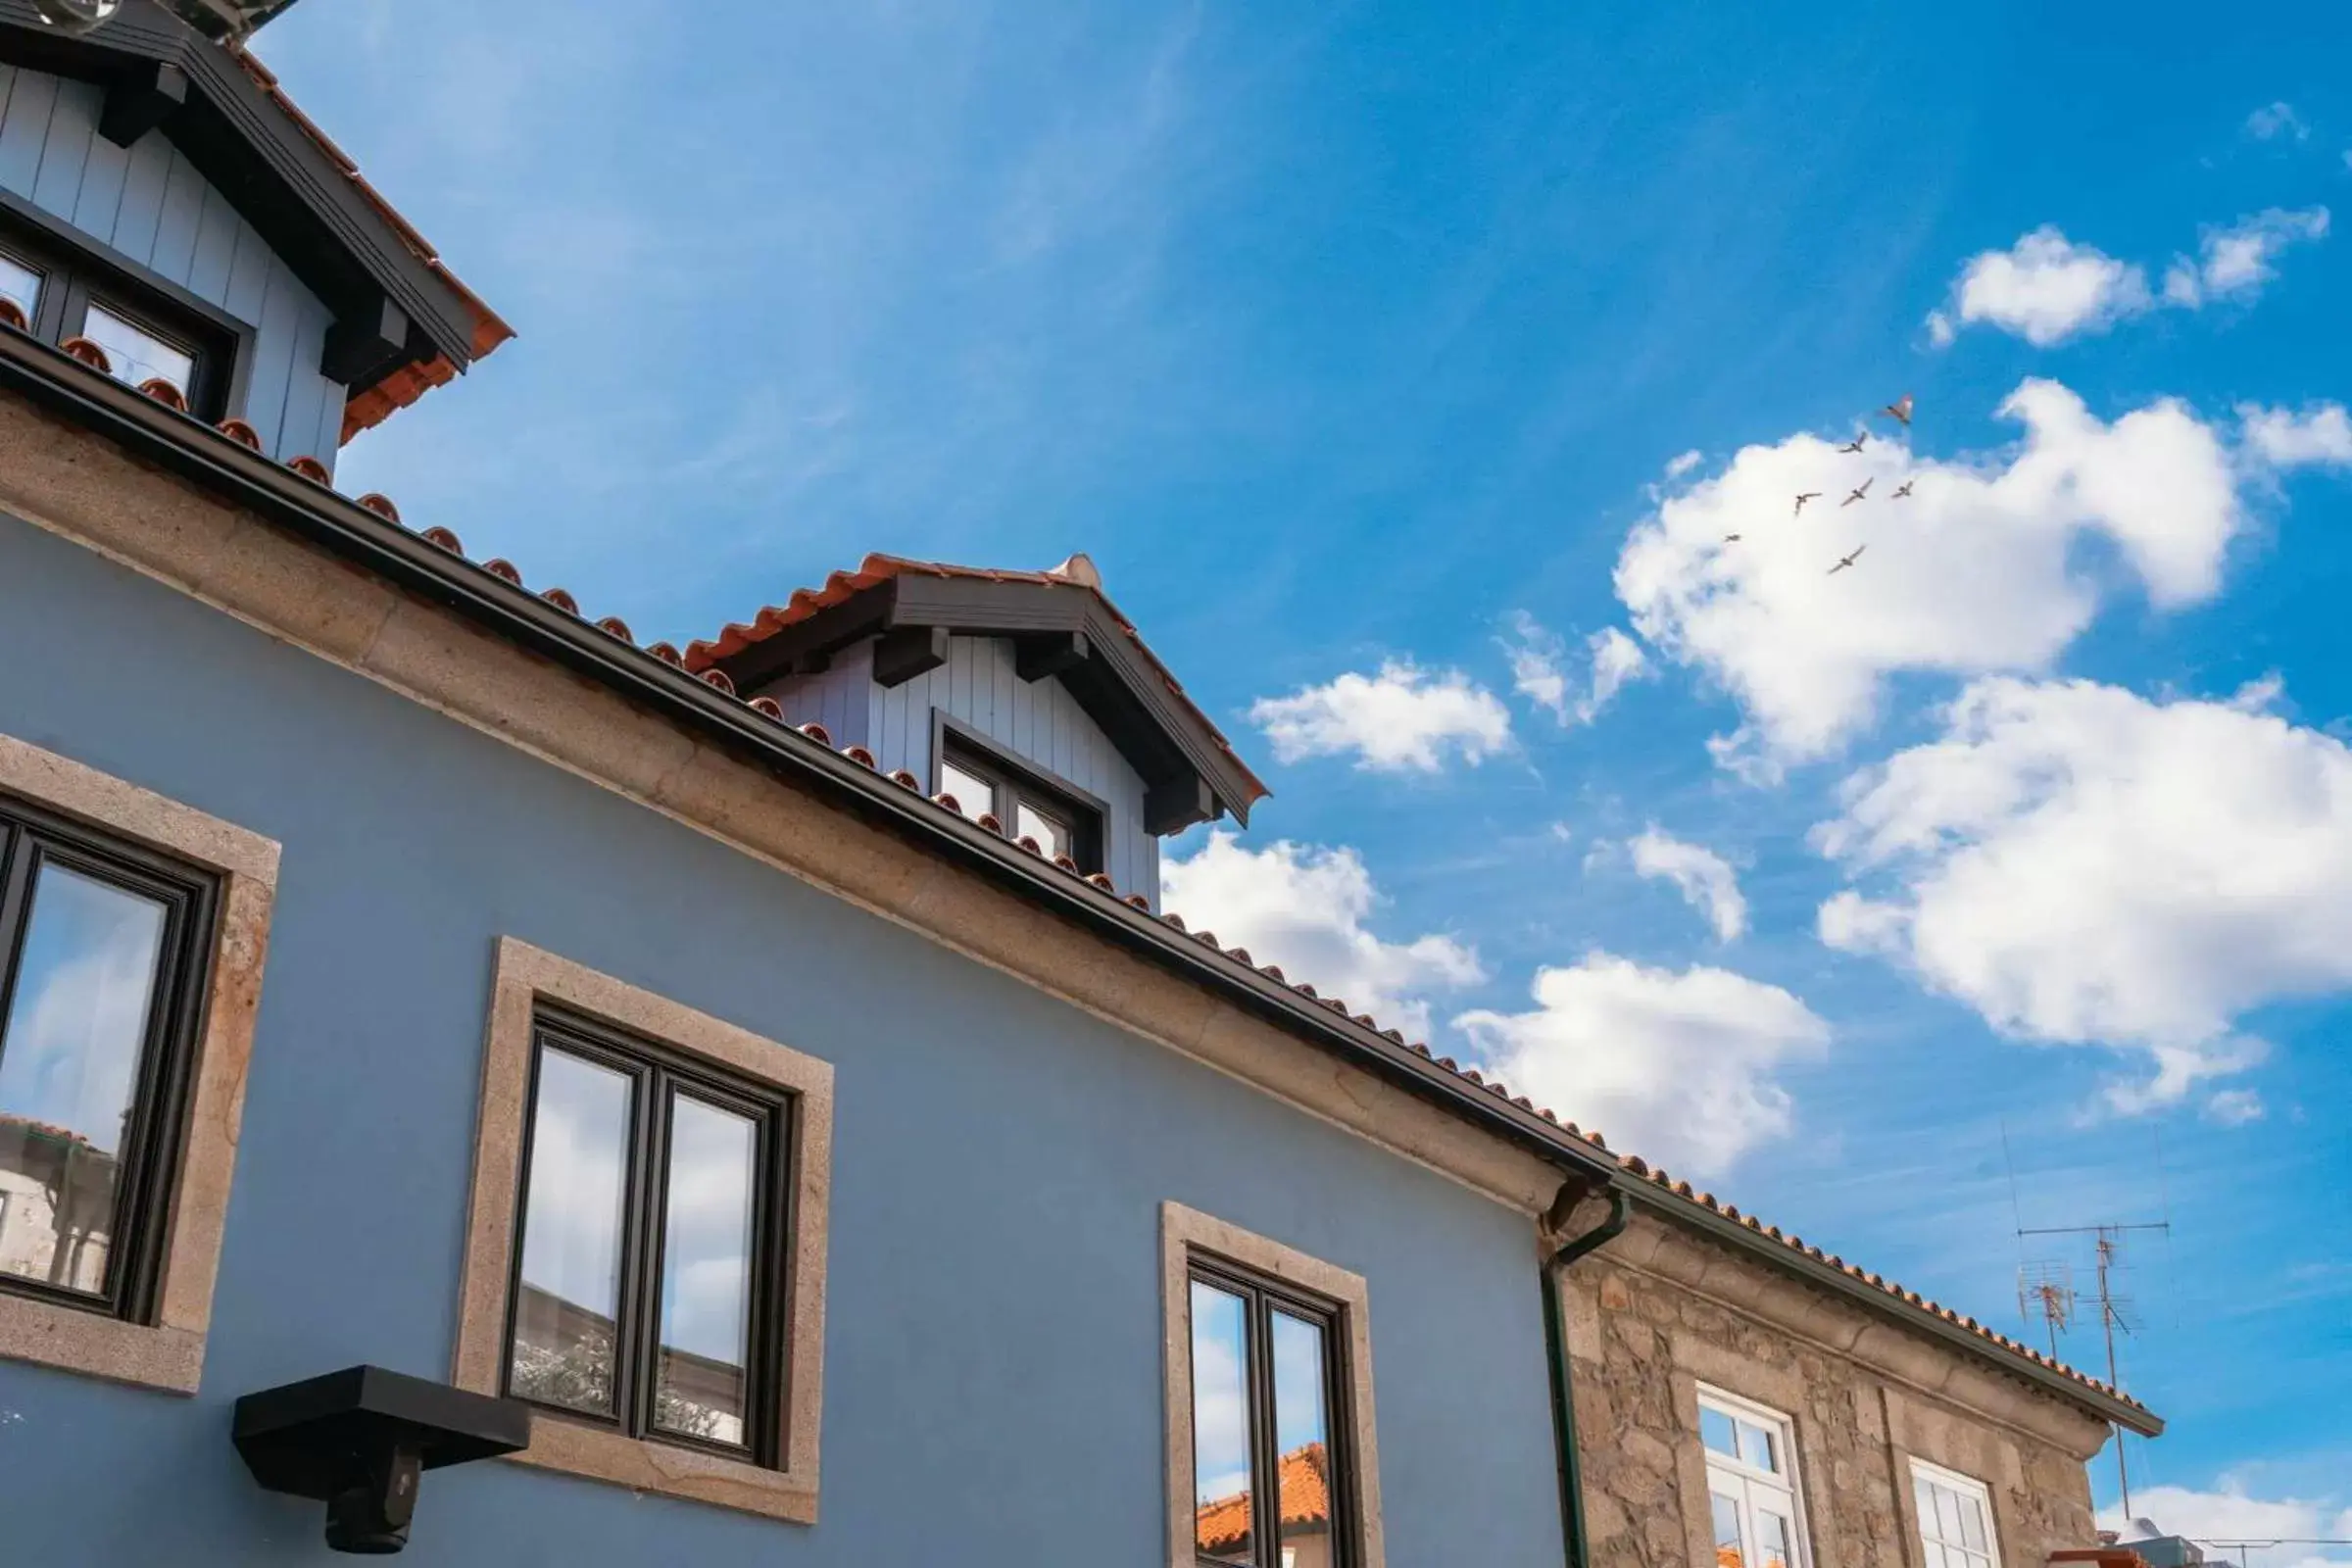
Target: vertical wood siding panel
[273,363]
[101,179]
[329,439]
[175,229]
[249,271]
[142,204]
[25,131]
[305,388]
[217,234]
[66,148]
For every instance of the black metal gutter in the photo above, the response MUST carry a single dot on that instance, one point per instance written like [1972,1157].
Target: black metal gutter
[352,533]
[1573,1530]
[191,450]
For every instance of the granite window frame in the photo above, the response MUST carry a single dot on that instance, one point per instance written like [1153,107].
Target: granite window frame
[1736,1471]
[153,1333]
[1194,1245]
[777,1480]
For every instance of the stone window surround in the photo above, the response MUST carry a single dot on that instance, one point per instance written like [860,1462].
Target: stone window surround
[166,1354]
[525,975]
[1185,1232]
[1782,1427]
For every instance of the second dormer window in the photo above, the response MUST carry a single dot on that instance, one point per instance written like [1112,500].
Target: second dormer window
[1023,804]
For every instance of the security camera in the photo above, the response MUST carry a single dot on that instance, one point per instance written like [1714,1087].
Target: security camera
[77,16]
[372,1517]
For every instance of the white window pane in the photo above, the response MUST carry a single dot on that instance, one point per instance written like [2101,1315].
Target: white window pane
[706,1272]
[1972,1524]
[1716,1431]
[571,1234]
[1775,1540]
[1948,1514]
[137,354]
[1757,1447]
[1731,1550]
[1922,1503]
[1052,835]
[22,284]
[973,796]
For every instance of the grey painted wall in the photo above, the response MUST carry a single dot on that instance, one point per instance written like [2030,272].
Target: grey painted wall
[149,203]
[1037,721]
[992,1385]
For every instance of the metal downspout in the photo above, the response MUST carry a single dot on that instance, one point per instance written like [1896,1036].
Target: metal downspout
[1555,1345]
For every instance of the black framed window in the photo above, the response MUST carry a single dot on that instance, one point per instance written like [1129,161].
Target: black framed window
[1272,1477]
[64,291]
[103,951]
[647,1292]
[1024,803]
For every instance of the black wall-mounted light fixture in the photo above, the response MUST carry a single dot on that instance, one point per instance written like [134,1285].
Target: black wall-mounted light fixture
[359,1440]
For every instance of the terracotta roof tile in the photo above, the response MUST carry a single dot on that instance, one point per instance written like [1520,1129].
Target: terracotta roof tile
[373,405]
[1632,1164]
[876,569]
[1302,1485]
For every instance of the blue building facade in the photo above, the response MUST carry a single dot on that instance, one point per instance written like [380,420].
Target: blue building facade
[762,1070]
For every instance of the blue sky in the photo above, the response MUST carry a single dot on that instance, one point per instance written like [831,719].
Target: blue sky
[1353,342]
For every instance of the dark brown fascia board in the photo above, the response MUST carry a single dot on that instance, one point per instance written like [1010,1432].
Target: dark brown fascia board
[349,532]
[229,113]
[352,535]
[1720,1228]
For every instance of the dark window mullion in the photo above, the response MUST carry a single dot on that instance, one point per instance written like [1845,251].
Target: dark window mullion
[635,1344]
[1263,1431]
[18,857]
[763,1427]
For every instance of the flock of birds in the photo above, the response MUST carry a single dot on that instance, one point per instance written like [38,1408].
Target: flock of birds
[1898,411]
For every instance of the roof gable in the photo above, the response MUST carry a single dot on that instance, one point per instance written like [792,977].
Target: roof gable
[1062,624]
[403,321]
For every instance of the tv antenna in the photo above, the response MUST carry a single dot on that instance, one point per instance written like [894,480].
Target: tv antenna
[2117,1314]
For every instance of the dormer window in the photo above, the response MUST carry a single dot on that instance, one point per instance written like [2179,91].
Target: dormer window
[66,290]
[1025,804]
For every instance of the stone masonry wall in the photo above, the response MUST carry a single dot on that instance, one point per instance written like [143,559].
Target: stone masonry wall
[1658,1312]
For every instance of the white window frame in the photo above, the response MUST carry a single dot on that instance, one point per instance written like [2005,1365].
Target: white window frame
[1934,1549]
[1744,1480]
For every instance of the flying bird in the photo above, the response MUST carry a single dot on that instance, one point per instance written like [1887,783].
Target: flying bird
[1855,445]
[1731,538]
[1844,562]
[1860,491]
[1809,495]
[1899,410]
[1903,491]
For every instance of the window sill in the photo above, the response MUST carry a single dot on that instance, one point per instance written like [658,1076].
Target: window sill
[666,1469]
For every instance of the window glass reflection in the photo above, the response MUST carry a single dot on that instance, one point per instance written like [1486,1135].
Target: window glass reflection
[1730,1550]
[1756,1448]
[1772,1538]
[706,1272]
[1302,1437]
[1223,1517]
[136,355]
[1052,835]
[69,1058]
[21,286]
[975,797]
[571,1234]
[1715,1430]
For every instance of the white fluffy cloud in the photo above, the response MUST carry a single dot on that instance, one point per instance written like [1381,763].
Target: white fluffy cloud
[2085,865]
[2045,289]
[1304,907]
[2229,1514]
[1539,670]
[1977,570]
[2234,263]
[2273,121]
[1705,879]
[1404,717]
[1675,1065]
[2318,436]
